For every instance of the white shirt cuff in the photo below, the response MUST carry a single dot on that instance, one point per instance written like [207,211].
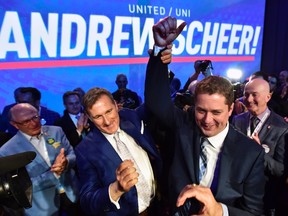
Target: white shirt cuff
[157,49]
[225,210]
[116,203]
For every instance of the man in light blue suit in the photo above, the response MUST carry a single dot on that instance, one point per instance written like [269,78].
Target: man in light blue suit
[51,172]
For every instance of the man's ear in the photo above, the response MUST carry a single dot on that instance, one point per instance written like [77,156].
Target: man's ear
[269,96]
[14,124]
[231,109]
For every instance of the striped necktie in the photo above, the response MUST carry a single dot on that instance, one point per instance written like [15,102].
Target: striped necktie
[202,157]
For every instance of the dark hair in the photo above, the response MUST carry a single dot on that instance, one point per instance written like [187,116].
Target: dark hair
[69,93]
[93,95]
[120,75]
[216,85]
[36,94]
[258,74]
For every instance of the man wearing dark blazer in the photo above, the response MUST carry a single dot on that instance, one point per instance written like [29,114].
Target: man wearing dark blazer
[74,122]
[109,179]
[233,182]
[272,134]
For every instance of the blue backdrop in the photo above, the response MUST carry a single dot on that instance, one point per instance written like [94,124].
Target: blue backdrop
[57,46]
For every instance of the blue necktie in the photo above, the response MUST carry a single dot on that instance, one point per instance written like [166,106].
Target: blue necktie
[202,157]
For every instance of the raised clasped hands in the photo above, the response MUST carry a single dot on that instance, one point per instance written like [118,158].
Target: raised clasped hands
[60,163]
[204,195]
[165,31]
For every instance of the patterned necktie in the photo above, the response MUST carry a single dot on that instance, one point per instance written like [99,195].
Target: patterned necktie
[253,123]
[142,187]
[202,158]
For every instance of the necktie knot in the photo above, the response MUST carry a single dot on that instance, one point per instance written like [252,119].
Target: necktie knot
[121,147]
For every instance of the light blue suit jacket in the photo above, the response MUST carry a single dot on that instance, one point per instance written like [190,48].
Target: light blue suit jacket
[45,185]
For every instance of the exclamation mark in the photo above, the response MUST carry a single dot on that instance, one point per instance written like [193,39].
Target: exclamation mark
[255,41]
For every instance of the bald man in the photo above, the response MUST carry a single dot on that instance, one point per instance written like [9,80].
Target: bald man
[55,186]
[271,131]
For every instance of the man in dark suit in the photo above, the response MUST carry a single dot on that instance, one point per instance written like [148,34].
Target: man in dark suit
[271,132]
[32,96]
[74,122]
[233,182]
[113,181]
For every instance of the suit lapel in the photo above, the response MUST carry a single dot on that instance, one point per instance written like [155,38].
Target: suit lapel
[67,119]
[191,151]
[129,128]
[26,145]
[227,153]
[245,122]
[52,151]
[104,147]
[265,128]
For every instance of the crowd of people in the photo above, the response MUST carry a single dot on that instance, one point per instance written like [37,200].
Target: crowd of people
[191,151]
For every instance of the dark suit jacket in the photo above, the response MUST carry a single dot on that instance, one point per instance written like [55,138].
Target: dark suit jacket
[97,162]
[5,125]
[241,172]
[274,133]
[50,116]
[70,130]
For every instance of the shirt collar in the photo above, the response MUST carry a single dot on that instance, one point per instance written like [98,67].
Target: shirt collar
[73,116]
[28,137]
[260,116]
[111,136]
[217,140]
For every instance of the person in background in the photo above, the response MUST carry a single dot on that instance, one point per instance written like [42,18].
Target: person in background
[73,122]
[273,82]
[185,97]
[274,103]
[32,96]
[232,180]
[125,97]
[117,161]
[282,78]
[175,86]
[270,131]
[81,93]
[5,125]
[258,74]
[55,186]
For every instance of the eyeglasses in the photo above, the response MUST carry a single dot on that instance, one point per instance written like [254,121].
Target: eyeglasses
[28,121]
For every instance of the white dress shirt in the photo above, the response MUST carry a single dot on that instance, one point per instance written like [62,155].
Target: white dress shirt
[141,158]
[213,150]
